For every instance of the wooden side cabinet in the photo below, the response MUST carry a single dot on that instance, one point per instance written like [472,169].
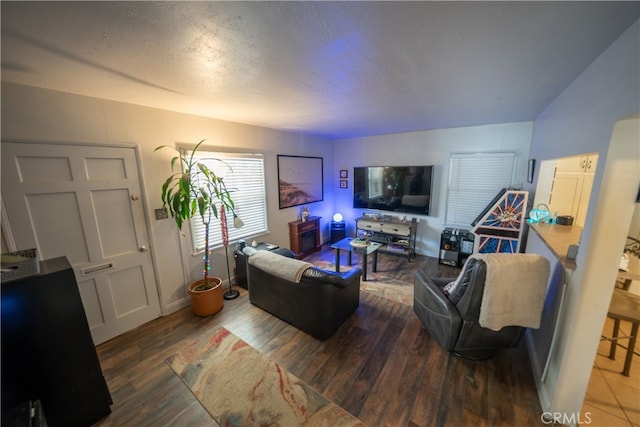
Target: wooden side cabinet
[304,236]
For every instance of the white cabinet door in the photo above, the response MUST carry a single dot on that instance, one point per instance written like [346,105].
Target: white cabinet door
[565,194]
[585,196]
[571,164]
[572,186]
[84,202]
[586,163]
[591,163]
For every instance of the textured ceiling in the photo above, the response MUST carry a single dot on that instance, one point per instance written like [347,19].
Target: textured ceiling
[338,69]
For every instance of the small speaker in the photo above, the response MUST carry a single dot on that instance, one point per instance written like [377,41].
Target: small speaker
[564,220]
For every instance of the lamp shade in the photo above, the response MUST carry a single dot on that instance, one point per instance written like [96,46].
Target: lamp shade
[337,217]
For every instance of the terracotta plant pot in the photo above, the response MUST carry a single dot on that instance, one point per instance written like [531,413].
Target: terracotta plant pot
[206,300]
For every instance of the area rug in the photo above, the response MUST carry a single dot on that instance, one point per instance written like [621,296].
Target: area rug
[239,386]
[378,284]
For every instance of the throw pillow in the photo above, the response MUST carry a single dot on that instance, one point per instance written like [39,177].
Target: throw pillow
[449,287]
[248,250]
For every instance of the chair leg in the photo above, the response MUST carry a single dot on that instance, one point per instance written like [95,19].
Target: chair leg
[614,339]
[630,349]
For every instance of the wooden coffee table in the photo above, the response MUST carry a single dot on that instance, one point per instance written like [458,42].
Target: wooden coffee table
[365,251]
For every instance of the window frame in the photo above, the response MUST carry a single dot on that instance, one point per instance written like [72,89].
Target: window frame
[251,207]
[487,173]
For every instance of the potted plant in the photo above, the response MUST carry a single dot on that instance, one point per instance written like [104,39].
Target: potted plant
[197,190]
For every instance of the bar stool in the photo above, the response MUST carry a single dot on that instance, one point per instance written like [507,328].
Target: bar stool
[624,306]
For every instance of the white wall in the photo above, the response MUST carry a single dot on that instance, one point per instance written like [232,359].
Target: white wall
[428,148]
[32,114]
[581,120]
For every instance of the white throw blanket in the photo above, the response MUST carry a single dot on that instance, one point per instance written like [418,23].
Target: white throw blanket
[286,268]
[514,292]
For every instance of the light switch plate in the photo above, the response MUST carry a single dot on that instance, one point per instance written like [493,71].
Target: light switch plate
[161,213]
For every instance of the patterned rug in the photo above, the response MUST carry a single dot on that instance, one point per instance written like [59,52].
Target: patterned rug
[378,283]
[238,386]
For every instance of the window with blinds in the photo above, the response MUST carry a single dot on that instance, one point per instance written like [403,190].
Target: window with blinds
[244,176]
[474,180]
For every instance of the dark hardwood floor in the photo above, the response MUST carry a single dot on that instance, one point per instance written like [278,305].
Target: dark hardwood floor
[381,366]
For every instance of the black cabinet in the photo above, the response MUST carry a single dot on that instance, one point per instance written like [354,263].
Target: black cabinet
[47,350]
[338,231]
[455,246]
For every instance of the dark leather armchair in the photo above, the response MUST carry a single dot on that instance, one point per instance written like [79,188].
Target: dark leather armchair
[453,320]
[318,305]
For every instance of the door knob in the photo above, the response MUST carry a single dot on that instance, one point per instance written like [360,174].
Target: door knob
[143,248]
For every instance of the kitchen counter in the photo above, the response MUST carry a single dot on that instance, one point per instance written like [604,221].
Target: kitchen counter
[558,238]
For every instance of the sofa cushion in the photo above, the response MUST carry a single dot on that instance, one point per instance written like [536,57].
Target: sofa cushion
[284,252]
[248,250]
[448,287]
[341,279]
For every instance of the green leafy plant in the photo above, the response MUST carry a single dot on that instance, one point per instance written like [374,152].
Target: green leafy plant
[193,190]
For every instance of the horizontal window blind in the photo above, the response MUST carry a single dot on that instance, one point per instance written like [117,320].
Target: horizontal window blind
[474,180]
[244,177]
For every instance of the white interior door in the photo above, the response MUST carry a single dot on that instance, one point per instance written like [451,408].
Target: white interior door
[84,202]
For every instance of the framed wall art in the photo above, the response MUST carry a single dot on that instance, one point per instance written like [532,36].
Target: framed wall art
[299,180]
[531,169]
[344,174]
[344,183]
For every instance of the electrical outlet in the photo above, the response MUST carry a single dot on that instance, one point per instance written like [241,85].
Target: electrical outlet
[162,213]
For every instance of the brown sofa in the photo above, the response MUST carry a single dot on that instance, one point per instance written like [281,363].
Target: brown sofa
[318,304]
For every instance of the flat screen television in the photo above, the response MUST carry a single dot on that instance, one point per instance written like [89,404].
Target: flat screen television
[393,188]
